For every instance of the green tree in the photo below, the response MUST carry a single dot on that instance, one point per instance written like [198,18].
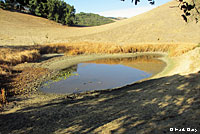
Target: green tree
[56,10]
[2,4]
[69,14]
[90,19]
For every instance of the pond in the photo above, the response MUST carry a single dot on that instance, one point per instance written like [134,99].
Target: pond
[104,74]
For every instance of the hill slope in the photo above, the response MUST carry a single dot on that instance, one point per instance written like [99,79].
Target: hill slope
[90,19]
[160,25]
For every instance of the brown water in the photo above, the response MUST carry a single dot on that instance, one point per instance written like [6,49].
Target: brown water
[104,74]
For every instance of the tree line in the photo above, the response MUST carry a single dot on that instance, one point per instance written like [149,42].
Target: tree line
[56,10]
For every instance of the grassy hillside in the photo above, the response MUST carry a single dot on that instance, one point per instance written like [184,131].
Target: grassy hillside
[90,19]
[162,25]
[117,19]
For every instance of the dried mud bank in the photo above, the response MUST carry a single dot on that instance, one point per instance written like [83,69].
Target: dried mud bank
[168,100]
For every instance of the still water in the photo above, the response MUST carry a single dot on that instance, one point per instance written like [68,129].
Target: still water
[104,74]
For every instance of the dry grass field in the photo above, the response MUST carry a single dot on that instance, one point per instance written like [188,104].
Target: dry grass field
[162,25]
[15,56]
[108,48]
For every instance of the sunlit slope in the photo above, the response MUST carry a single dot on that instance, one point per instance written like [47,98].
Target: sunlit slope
[160,25]
[23,29]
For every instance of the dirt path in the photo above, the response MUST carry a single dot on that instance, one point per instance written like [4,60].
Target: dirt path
[152,106]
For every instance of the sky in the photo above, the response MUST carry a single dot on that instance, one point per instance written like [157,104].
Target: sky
[113,8]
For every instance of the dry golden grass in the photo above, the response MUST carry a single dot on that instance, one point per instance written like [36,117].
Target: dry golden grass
[5,69]
[16,56]
[179,50]
[106,48]
[3,99]
[2,96]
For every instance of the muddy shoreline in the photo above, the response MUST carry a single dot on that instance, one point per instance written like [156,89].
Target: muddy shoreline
[54,65]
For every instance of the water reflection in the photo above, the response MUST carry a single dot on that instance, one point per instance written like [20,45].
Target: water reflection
[148,63]
[104,74]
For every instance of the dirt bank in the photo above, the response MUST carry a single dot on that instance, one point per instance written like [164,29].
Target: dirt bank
[170,99]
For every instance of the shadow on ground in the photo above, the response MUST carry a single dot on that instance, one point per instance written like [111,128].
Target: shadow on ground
[149,107]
